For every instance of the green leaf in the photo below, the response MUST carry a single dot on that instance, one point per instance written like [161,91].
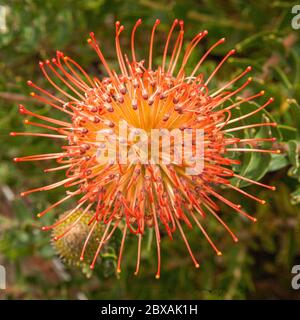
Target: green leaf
[278,161]
[293,153]
[255,166]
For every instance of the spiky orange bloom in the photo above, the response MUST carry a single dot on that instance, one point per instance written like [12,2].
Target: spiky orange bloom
[138,196]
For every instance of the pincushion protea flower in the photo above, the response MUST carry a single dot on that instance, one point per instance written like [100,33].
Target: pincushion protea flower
[137,196]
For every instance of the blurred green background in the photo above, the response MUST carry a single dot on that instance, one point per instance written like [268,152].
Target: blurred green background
[259,266]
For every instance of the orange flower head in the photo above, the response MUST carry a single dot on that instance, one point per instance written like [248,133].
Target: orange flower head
[135,193]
